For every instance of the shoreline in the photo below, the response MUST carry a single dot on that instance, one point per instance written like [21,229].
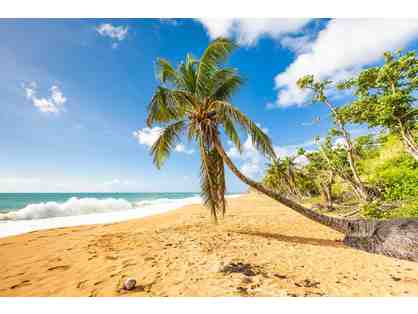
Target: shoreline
[17,227]
[260,248]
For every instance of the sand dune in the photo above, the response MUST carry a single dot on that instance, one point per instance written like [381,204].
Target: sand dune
[260,249]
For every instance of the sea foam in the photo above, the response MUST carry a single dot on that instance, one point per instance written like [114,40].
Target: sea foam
[72,207]
[85,211]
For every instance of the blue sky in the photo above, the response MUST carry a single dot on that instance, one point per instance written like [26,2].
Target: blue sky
[74,92]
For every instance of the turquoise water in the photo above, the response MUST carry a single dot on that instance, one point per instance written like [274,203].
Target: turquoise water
[14,201]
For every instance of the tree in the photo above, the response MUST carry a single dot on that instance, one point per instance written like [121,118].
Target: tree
[276,177]
[319,88]
[386,97]
[194,100]
[336,160]
[322,175]
[282,175]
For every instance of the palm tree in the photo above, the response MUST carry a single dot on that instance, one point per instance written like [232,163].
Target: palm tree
[281,176]
[291,173]
[194,100]
[276,177]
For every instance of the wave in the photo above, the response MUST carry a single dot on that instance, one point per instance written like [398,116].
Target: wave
[72,207]
[85,211]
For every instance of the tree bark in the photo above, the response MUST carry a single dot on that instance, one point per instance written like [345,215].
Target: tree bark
[327,195]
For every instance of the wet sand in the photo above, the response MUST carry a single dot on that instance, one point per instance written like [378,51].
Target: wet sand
[260,248]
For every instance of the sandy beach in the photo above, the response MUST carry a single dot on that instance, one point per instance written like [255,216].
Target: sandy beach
[261,248]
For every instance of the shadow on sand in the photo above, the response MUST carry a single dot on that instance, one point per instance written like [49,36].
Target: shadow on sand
[294,239]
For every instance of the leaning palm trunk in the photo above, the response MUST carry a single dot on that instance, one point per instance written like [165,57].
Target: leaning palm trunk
[338,224]
[396,238]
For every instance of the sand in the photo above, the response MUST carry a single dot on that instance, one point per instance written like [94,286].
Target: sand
[261,248]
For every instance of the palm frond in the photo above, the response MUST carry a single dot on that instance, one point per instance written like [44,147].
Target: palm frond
[260,140]
[165,71]
[225,83]
[165,143]
[231,132]
[187,71]
[162,107]
[217,51]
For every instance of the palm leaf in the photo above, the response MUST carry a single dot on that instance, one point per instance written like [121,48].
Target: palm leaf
[165,143]
[162,107]
[226,82]
[260,140]
[165,72]
[231,132]
[217,51]
[187,73]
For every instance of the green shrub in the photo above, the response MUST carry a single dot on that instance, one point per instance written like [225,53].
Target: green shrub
[372,211]
[397,178]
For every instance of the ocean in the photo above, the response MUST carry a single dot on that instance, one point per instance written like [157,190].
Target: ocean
[25,212]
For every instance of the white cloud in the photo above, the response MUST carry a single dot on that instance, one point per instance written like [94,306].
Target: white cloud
[30,89]
[248,31]
[148,136]
[253,162]
[57,96]
[341,49]
[113,32]
[299,44]
[180,148]
[218,27]
[52,104]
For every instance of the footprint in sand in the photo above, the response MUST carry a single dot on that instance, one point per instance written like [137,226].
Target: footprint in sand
[81,284]
[59,267]
[128,265]
[92,257]
[115,274]
[112,257]
[21,284]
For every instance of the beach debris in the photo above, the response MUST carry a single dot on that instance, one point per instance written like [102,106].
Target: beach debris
[280,276]
[245,269]
[129,284]
[307,284]
[395,278]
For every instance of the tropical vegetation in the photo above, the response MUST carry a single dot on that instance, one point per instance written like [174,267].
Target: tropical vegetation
[194,101]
